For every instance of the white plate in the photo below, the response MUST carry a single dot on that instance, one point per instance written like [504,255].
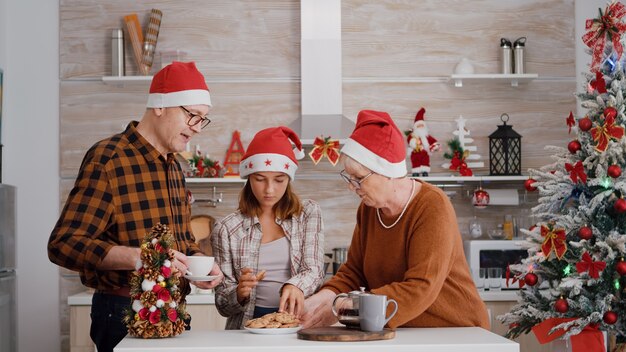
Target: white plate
[201,278]
[275,331]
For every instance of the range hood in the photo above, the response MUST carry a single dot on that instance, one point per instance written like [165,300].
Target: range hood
[320,72]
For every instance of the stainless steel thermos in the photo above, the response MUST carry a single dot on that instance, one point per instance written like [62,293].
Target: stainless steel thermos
[118,64]
[518,53]
[506,56]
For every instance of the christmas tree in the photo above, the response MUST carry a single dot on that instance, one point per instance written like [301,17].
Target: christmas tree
[573,279]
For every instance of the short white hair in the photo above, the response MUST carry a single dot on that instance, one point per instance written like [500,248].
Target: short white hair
[348,162]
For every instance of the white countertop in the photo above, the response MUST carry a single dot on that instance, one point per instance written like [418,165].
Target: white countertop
[406,340]
[84,299]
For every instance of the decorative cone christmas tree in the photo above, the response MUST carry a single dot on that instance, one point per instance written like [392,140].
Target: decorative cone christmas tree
[156,300]
[576,251]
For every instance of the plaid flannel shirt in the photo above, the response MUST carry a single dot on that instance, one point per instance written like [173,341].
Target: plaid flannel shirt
[124,187]
[236,241]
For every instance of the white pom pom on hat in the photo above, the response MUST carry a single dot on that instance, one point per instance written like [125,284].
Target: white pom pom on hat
[271,150]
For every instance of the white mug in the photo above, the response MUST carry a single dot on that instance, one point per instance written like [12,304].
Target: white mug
[373,311]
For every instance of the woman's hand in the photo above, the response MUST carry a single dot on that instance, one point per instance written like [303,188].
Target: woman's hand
[291,300]
[317,310]
[247,281]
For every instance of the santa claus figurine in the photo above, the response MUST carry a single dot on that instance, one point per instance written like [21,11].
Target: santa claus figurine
[421,145]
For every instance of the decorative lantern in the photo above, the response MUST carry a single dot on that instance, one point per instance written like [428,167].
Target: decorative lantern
[505,150]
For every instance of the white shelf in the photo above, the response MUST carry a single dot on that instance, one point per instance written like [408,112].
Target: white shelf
[485,178]
[214,180]
[514,79]
[124,80]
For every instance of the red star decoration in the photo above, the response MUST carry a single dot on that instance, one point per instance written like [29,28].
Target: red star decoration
[268,162]
[286,166]
[250,165]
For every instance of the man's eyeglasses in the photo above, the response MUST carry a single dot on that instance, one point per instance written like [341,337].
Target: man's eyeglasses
[195,119]
[355,183]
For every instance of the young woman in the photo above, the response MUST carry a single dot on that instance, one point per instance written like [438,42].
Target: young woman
[271,249]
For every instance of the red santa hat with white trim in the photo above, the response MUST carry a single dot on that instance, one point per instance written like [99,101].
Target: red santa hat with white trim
[377,144]
[420,115]
[271,150]
[178,84]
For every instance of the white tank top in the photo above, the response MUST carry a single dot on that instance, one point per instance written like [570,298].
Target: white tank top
[274,259]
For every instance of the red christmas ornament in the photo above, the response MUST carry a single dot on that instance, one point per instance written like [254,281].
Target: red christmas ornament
[530,279]
[480,199]
[574,146]
[610,317]
[620,267]
[620,205]
[528,184]
[585,124]
[561,305]
[585,233]
[614,171]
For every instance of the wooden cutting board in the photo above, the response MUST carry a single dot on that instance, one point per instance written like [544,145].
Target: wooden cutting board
[337,333]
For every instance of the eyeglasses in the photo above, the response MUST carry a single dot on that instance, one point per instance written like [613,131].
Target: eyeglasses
[195,119]
[355,183]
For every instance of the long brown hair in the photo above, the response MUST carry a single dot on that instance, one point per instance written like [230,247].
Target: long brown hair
[288,206]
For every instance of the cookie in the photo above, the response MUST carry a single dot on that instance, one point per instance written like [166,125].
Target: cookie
[260,275]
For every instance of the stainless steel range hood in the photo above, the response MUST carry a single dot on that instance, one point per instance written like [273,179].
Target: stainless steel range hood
[320,72]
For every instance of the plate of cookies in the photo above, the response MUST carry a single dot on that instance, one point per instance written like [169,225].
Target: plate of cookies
[274,324]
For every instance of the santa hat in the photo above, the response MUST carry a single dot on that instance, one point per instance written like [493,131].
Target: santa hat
[377,144]
[270,150]
[178,84]
[420,115]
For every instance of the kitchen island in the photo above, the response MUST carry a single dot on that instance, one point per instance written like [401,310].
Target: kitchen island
[406,340]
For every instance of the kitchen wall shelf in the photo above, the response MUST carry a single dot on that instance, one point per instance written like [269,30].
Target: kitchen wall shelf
[232,180]
[514,79]
[461,179]
[126,80]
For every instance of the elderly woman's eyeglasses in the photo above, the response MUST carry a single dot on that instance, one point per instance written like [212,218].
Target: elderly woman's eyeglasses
[354,182]
[195,119]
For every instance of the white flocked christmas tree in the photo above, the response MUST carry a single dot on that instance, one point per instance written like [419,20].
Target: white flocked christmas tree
[574,283]
[473,160]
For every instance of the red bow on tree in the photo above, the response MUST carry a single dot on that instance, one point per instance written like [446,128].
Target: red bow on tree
[576,172]
[603,133]
[606,25]
[599,83]
[570,122]
[587,264]
[553,240]
[325,147]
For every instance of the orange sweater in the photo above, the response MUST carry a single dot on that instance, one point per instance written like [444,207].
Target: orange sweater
[419,262]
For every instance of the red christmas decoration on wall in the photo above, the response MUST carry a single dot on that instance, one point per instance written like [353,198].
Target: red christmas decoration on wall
[233,156]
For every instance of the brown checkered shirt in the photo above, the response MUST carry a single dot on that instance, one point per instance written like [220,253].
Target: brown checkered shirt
[124,187]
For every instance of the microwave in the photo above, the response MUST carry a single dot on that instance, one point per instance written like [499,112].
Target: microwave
[495,253]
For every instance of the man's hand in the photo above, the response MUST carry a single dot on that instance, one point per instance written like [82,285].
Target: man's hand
[317,310]
[291,300]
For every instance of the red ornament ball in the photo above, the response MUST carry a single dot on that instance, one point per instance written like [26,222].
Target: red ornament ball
[620,205]
[574,146]
[480,199]
[585,233]
[610,317]
[561,305]
[530,279]
[528,184]
[620,267]
[614,171]
[585,124]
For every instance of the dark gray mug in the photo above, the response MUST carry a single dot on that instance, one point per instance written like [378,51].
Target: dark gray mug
[373,311]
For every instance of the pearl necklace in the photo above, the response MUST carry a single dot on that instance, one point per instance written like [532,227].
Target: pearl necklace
[403,210]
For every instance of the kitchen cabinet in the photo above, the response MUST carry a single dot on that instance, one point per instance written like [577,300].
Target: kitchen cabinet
[201,307]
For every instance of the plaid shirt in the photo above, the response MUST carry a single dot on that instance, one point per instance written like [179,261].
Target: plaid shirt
[236,241]
[124,187]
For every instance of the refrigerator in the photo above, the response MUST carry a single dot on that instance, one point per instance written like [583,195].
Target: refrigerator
[8,280]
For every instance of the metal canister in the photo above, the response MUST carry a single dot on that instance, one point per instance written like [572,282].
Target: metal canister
[518,53]
[118,64]
[340,255]
[506,56]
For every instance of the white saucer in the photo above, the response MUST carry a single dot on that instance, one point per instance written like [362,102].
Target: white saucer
[201,278]
[275,331]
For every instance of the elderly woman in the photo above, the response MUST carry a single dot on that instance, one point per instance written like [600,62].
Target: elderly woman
[406,243]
